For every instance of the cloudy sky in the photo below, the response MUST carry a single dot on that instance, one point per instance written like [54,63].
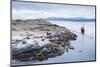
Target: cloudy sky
[31,10]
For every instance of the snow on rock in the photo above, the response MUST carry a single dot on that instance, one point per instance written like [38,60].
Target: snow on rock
[22,43]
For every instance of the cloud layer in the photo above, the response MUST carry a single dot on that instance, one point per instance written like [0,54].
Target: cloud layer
[31,14]
[27,10]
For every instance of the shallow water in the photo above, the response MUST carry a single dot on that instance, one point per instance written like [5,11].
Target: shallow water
[84,45]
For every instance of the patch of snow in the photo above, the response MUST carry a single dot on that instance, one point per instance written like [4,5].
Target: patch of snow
[28,42]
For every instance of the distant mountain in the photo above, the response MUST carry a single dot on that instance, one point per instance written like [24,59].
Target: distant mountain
[77,19]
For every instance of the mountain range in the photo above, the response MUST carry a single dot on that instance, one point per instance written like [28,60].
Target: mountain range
[73,19]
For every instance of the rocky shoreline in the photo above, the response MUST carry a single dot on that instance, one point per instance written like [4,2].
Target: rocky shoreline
[38,39]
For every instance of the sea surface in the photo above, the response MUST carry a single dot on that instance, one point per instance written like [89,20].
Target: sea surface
[84,45]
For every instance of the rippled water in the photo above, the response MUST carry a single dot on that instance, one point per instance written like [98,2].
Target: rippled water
[84,45]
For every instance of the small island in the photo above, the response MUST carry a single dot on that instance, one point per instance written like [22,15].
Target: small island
[38,39]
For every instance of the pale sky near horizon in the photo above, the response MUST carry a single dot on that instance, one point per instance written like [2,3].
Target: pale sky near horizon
[31,10]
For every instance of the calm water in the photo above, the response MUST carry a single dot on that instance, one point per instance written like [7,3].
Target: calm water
[84,45]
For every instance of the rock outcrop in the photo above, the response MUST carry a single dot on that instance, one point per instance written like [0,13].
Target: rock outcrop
[38,39]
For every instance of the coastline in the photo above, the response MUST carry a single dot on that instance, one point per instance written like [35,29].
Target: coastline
[45,41]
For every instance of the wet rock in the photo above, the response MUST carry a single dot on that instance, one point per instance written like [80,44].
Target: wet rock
[41,55]
[45,52]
